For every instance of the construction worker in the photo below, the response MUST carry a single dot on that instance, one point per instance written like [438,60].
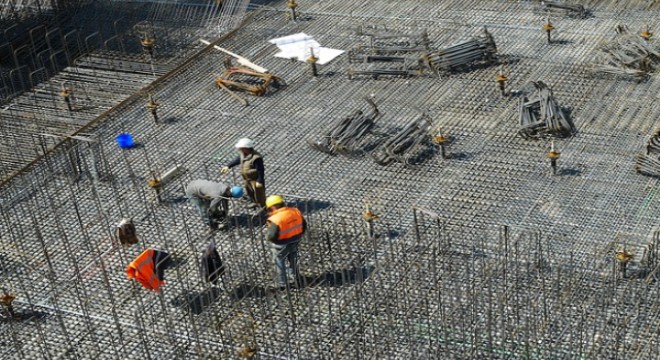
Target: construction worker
[211,200]
[252,170]
[285,228]
[149,268]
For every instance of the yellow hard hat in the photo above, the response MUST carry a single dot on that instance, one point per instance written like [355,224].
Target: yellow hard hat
[274,200]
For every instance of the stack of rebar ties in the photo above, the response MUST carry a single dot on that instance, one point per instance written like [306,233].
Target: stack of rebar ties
[481,48]
[541,115]
[649,163]
[346,136]
[562,8]
[402,146]
[388,53]
[628,55]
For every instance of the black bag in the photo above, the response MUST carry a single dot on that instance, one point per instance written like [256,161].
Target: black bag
[212,266]
[126,232]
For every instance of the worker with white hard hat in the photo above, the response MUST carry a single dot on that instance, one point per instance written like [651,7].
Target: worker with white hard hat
[252,170]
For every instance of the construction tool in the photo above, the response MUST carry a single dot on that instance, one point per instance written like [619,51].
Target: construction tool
[247,80]
[241,60]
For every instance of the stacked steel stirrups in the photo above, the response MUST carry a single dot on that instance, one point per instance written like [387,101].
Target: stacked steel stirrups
[247,80]
[649,163]
[346,136]
[562,8]
[396,54]
[480,48]
[541,115]
[403,146]
[627,55]
[654,143]
[387,42]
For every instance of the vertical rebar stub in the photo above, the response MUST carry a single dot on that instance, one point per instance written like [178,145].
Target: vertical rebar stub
[312,60]
[548,28]
[553,155]
[152,106]
[292,5]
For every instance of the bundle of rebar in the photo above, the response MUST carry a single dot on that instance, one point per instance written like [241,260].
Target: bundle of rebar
[346,136]
[648,165]
[480,48]
[541,115]
[403,146]
[563,8]
[628,55]
[654,144]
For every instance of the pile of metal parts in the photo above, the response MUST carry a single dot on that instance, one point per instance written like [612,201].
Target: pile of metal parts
[244,79]
[541,115]
[346,136]
[410,55]
[406,144]
[561,8]
[649,163]
[394,54]
[627,54]
[462,55]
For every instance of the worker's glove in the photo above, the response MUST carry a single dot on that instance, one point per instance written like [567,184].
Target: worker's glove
[258,185]
[224,170]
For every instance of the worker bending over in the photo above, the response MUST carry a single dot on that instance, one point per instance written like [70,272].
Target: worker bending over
[211,200]
[252,170]
[285,228]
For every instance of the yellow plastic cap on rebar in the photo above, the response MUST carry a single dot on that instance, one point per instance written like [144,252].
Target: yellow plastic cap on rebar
[274,200]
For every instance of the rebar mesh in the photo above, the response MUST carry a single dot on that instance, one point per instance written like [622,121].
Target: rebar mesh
[483,254]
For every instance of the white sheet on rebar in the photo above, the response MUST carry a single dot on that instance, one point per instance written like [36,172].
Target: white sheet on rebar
[301,46]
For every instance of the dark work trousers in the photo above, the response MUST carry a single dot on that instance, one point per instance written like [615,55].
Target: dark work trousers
[257,195]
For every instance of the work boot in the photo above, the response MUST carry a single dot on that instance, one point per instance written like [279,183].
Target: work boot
[213,225]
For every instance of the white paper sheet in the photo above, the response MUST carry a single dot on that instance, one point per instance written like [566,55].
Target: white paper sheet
[299,46]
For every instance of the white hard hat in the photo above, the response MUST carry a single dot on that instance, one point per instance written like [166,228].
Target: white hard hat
[245,143]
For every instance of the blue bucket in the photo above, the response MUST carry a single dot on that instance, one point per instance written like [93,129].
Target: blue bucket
[125,141]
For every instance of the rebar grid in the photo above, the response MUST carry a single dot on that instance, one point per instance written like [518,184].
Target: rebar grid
[548,285]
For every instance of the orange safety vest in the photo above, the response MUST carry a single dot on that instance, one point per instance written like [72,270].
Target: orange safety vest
[289,221]
[143,269]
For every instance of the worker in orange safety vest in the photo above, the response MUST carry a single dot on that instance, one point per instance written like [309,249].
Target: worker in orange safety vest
[285,228]
[148,268]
